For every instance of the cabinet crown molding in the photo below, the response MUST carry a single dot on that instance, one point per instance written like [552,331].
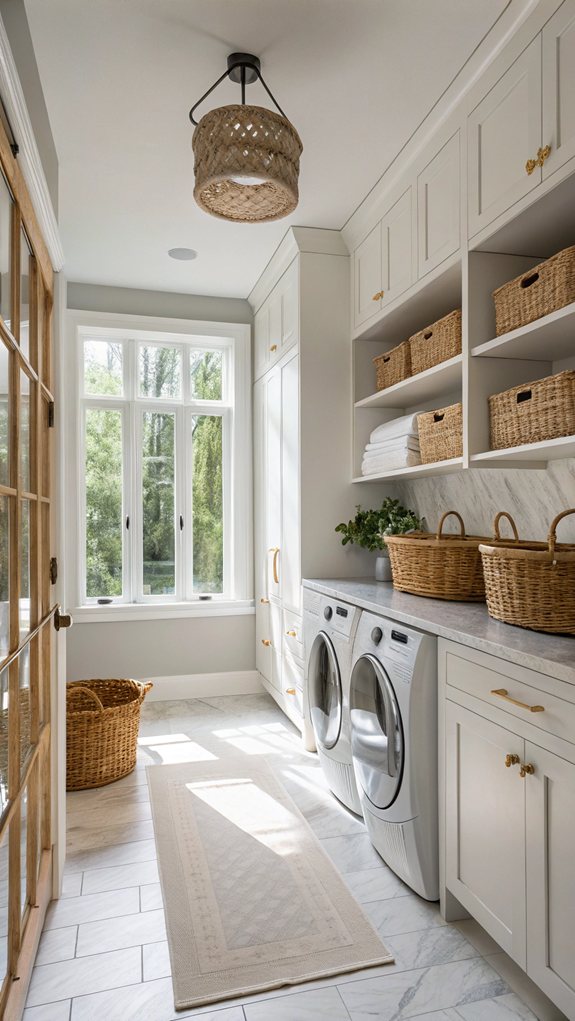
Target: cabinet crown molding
[296,241]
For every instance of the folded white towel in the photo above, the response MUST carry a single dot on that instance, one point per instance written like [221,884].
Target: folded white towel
[378,466]
[404,426]
[399,443]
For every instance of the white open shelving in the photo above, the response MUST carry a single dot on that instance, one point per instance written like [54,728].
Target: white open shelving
[423,387]
[417,471]
[551,338]
[536,454]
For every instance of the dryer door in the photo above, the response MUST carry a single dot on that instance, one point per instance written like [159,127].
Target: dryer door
[377,742]
[325,695]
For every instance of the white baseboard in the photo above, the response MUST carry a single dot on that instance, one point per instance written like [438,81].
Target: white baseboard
[237,682]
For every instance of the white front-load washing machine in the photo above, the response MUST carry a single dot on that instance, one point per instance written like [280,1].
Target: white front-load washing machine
[329,630]
[393,716]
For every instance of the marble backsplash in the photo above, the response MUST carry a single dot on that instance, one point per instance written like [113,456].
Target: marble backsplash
[533,498]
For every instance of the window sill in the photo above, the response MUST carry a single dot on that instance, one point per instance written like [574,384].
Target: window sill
[161,611]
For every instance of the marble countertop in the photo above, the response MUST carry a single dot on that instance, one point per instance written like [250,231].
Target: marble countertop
[467,623]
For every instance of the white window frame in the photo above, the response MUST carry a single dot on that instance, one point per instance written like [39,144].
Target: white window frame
[235,409]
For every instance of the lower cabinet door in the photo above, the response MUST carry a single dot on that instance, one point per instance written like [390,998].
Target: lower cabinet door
[485,825]
[550,807]
[277,644]
[264,640]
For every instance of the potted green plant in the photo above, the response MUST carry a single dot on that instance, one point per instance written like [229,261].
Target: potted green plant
[369,528]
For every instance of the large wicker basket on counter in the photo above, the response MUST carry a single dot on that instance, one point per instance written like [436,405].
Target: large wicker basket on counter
[102,724]
[393,366]
[440,566]
[545,288]
[440,434]
[533,412]
[436,343]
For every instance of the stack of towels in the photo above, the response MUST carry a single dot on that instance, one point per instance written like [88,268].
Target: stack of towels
[392,445]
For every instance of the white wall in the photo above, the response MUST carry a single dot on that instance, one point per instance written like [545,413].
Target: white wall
[161,648]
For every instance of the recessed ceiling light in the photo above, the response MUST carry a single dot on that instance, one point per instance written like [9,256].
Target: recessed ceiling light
[183,254]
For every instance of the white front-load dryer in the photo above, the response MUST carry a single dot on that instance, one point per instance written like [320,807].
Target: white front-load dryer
[329,630]
[393,716]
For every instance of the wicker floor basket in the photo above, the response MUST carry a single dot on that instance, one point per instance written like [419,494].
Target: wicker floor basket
[437,343]
[545,288]
[440,434]
[439,566]
[532,585]
[543,410]
[102,724]
[393,366]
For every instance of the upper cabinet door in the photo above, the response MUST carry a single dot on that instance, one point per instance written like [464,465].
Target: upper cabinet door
[559,87]
[274,303]
[261,340]
[550,802]
[438,208]
[367,278]
[290,305]
[397,248]
[504,131]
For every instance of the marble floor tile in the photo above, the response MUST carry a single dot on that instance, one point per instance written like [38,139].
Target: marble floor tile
[331,821]
[504,1008]
[117,877]
[375,884]
[151,897]
[156,961]
[49,1012]
[84,975]
[241,705]
[57,945]
[405,994]
[146,1001]
[126,931]
[402,914]
[315,1005]
[93,907]
[120,854]
[523,987]
[477,936]
[351,853]
[438,945]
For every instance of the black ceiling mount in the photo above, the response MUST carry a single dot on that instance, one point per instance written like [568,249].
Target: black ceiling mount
[243,68]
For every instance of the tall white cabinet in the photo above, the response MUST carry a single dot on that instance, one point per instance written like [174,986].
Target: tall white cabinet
[302,446]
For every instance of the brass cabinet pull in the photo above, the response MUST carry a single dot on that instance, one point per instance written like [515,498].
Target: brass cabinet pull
[378,296]
[264,601]
[266,642]
[503,693]
[275,550]
[290,691]
[273,348]
[526,767]
[292,634]
[512,760]
[542,155]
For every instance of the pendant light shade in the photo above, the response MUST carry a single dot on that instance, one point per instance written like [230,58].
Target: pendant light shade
[246,157]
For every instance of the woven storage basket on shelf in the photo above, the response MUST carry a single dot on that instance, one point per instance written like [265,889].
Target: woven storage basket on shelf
[393,366]
[545,288]
[543,410]
[532,585]
[437,343]
[440,434]
[440,566]
[102,724]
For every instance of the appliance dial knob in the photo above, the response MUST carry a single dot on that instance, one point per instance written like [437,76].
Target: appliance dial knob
[376,635]
[328,613]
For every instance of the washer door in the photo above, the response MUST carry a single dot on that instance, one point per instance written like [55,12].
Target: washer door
[376,732]
[325,695]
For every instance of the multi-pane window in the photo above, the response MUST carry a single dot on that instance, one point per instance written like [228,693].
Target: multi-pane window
[155,466]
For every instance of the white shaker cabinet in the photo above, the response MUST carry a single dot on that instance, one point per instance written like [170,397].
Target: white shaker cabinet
[504,131]
[367,278]
[383,262]
[438,207]
[559,87]
[275,323]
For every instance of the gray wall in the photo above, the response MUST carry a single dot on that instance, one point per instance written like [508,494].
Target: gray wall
[13,15]
[161,648]
[533,498]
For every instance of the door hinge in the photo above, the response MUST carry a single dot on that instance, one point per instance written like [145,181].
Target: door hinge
[51,415]
[53,570]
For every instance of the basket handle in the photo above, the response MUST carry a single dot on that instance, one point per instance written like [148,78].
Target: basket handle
[530,279]
[446,515]
[85,691]
[553,528]
[147,687]
[496,533]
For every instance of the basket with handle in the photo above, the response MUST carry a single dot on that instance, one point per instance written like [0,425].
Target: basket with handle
[393,367]
[437,565]
[441,434]
[102,725]
[533,412]
[436,343]
[537,293]
[531,584]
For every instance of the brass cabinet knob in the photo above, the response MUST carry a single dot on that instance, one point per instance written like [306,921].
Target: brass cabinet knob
[292,634]
[512,760]
[290,691]
[378,296]
[273,348]
[526,767]
[543,153]
[266,642]
[264,601]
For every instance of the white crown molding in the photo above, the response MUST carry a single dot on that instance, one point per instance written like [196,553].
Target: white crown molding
[28,155]
[296,240]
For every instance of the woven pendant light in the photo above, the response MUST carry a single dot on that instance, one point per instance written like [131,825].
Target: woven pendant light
[246,157]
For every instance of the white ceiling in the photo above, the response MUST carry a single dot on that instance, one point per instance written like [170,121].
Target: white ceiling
[356,77]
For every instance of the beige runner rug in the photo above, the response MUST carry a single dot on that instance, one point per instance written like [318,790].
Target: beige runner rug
[252,901]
